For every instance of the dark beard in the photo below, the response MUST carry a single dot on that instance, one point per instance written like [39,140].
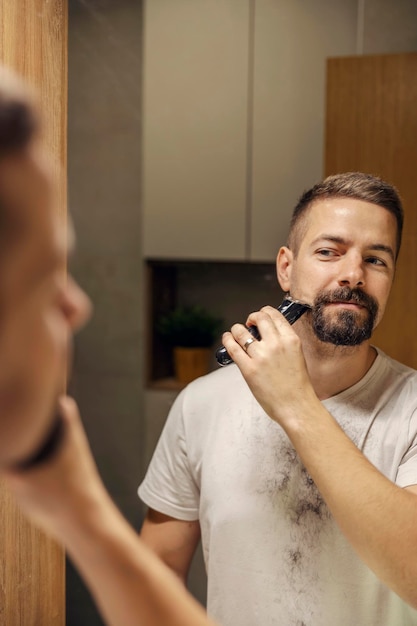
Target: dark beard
[349,328]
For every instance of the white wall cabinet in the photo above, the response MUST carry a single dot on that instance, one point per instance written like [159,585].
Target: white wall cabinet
[292,39]
[233,120]
[194,133]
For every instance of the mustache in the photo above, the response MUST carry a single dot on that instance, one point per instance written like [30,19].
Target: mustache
[346,294]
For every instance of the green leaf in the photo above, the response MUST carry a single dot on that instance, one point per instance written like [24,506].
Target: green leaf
[189,327]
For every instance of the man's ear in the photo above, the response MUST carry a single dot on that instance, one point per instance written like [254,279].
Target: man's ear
[284,267]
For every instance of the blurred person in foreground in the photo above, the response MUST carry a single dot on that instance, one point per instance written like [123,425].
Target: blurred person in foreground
[44,455]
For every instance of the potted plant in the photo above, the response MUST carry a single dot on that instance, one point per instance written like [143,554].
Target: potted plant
[191,331]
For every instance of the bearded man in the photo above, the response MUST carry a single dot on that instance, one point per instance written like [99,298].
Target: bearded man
[280,505]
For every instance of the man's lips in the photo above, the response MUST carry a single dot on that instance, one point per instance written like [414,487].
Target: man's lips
[350,304]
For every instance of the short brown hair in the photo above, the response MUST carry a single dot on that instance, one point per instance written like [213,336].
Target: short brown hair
[354,185]
[19,121]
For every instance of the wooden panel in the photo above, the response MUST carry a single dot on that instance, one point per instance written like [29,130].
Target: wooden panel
[33,41]
[32,574]
[372,127]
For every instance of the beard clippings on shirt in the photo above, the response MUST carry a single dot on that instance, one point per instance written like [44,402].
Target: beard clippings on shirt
[311,502]
[297,503]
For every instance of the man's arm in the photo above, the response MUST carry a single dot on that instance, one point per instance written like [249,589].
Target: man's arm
[65,496]
[173,540]
[378,518]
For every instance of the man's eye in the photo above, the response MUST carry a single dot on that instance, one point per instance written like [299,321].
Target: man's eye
[373,260]
[326,252]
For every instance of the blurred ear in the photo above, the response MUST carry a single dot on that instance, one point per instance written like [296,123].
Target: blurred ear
[284,268]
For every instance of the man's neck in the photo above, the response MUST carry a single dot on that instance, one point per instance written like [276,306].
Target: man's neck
[332,369]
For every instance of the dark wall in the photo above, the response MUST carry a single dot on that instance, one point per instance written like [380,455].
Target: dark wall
[104,138]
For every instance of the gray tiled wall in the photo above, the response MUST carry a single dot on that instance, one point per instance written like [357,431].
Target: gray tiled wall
[104,134]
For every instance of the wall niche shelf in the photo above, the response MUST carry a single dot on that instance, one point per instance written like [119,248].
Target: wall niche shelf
[229,290]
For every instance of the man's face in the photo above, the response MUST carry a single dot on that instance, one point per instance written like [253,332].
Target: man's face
[39,307]
[344,267]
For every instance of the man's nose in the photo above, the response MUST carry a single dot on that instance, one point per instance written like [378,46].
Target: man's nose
[352,271]
[75,305]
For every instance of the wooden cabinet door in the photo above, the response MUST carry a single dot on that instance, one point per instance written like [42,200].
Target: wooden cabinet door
[33,41]
[371,126]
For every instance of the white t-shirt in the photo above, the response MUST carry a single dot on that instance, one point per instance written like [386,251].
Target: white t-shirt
[273,553]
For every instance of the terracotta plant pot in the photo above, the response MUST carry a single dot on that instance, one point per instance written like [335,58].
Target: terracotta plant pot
[190,363]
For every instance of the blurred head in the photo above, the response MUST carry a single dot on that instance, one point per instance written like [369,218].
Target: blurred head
[40,307]
[342,248]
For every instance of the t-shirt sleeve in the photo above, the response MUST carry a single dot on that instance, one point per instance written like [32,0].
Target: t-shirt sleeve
[407,471]
[169,486]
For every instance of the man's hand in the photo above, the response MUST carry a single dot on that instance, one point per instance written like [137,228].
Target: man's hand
[56,491]
[274,367]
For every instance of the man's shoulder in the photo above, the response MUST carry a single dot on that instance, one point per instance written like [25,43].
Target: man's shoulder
[224,379]
[395,374]
[211,395]
[399,368]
